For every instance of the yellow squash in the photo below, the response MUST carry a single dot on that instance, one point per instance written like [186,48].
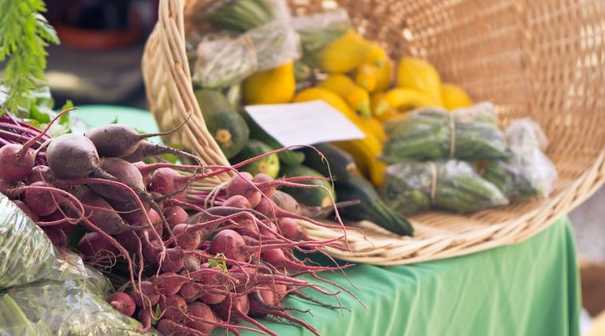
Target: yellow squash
[454,97]
[398,99]
[376,71]
[366,76]
[385,76]
[273,86]
[364,151]
[376,128]
[355,96]
[419,75]
[344,54]
[317,93]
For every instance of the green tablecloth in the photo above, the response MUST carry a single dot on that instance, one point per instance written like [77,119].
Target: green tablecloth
[530,288]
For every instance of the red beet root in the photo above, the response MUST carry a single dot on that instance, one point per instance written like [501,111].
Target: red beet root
[175,215]
[200,313]
[123,303]
[150,293]
[40,201]
[192,262]
[237,201]
[124,172]
[186,238]
[174,261]
[56,236]
[95,246]
[41,173]
[169,283]
[290,229]
[173,308]
[190,291]
[15,163]
[229,243]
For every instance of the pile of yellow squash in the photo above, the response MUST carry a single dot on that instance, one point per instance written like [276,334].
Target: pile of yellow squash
[361,81]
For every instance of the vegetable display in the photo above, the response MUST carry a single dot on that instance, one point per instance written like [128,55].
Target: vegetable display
[414,186]
[319,56]
[415,125]
[433,134]
[186,259]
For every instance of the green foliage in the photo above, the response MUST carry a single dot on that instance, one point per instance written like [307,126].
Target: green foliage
[24,36]
[219,262]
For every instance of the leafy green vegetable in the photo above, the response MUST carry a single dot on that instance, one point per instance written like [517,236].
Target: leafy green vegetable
[24,36]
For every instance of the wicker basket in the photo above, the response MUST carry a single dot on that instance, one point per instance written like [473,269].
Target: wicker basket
[543,59]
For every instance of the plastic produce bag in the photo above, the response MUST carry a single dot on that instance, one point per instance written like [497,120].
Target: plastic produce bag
[528,172]
[318,30]
[224,60]
[26,254]
[430,134]
[46,292]
[70,308]
[413,186]
[243,15]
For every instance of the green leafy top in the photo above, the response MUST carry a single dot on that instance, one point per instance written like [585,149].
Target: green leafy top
[24,35]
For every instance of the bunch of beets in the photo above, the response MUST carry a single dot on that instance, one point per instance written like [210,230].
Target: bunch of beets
[194,259]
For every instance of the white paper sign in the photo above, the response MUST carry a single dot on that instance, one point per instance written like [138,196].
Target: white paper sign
[304,123]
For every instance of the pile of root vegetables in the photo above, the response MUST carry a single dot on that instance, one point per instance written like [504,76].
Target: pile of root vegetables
[190,259]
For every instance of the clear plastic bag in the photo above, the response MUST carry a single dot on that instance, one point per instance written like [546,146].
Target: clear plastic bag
[525,133]
[224,60]
[434,134]
[48,293]
[65,308]
[318,30]
[528,172]
[413,186]
[26,254]
[243,15]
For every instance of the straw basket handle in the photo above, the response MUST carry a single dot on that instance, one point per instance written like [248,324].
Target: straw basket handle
[168,79]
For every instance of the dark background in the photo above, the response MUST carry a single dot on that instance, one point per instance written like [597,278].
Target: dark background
[99,59]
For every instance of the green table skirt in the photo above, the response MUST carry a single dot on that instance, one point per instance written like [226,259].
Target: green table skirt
[526,289]
[530,288]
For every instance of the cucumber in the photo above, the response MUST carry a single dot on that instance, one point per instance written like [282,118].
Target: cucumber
[341,164]
[350,185]
[322,196]
[371,206]
[267,165]
[226,125]
[288,158]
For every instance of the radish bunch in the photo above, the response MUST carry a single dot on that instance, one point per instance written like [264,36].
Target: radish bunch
[195,259]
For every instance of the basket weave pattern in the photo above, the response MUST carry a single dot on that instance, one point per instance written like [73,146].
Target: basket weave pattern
[541,59]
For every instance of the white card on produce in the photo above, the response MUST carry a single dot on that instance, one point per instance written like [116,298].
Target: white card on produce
[304,123]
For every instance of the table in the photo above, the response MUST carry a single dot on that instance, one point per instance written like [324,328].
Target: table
[531,288]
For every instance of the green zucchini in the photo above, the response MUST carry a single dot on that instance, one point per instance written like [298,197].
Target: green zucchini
[335,161]
[226,125]
[350,185]
[288,157]
[321,196]
[370,207]
[267,165]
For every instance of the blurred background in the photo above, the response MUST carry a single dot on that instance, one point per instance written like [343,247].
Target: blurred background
[99,59]
[102,43]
